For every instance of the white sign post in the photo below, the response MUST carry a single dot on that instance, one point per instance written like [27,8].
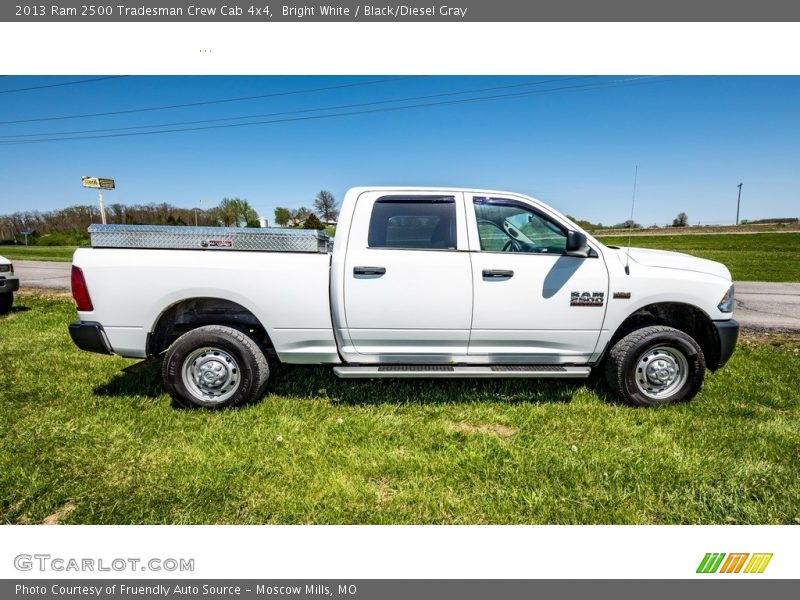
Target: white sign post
[99,183]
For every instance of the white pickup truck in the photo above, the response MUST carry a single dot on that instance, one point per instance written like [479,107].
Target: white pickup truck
[421,282]
[8,285]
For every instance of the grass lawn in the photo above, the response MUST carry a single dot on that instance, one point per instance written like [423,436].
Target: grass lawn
[55,253]
[750,257]
[84,443]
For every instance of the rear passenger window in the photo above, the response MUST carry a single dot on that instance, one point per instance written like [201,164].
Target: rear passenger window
[413,222]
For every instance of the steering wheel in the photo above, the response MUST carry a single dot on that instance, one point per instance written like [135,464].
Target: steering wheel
[514,233]
[511,245]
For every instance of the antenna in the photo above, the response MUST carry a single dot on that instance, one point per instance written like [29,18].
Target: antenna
[633,203]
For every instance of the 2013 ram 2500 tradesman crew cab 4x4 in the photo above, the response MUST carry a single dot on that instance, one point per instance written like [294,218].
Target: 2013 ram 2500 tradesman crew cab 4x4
[432,282]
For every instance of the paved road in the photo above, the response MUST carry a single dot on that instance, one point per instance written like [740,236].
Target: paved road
[761,305]
[42,274]
[769,306]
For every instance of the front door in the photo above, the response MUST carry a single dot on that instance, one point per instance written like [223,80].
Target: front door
[532,303]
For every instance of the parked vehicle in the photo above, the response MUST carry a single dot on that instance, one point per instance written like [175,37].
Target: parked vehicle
[8,285]
[421,282]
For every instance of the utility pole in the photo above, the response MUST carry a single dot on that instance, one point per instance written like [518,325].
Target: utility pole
[738,202]
[102,206]
[196,210]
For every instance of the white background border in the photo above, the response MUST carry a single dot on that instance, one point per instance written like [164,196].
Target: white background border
[429,552]
[400,48]
[405,48]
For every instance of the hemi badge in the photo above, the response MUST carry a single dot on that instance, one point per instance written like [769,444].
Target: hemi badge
[622,295]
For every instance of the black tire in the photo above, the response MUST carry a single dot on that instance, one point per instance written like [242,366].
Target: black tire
[202,358]
[6,301]
[672,358]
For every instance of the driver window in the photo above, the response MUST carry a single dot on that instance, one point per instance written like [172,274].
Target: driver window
[511,226]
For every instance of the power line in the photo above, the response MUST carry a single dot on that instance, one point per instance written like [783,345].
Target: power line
[587,87]
[208,102]
[53,85]
[565,89]
[306,110]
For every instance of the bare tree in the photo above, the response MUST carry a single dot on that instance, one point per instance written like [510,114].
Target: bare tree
[325,206]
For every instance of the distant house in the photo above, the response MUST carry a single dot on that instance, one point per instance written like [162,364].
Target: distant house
[263,222]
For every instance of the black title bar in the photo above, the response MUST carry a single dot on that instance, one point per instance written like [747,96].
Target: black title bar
[395,589]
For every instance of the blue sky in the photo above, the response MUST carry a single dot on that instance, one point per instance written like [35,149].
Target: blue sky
[693,138]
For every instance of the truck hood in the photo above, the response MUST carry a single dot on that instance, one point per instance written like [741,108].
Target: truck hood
[674,260]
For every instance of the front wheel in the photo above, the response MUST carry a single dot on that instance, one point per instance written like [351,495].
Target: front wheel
[656,365]
[215,367]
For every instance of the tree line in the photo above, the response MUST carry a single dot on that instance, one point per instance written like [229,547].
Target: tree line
[325,212]
[68,225]
[682,220]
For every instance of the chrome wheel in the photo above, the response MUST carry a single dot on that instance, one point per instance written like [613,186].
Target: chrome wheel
[211,374]
[661,371]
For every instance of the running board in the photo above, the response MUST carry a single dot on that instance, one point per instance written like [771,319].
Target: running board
[451,371]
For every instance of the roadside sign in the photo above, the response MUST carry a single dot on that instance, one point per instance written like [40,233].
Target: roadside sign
[26,233]
[99,183]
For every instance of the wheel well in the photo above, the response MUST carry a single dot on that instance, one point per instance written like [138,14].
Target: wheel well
[197,312]
[684,317]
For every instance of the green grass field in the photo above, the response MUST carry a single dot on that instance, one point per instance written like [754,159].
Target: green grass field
[750,257]
[55,253]
[85,443]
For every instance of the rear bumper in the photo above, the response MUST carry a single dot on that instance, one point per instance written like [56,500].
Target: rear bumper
[90,336]
[8,285]
[727,334]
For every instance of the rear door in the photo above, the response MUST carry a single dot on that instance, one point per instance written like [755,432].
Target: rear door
[532,303]
[408,279]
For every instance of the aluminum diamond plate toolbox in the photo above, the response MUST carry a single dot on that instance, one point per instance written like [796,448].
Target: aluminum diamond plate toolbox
[168,237]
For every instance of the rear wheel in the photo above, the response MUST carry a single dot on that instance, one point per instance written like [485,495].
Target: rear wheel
[656,365]
[6,301]
[215,367]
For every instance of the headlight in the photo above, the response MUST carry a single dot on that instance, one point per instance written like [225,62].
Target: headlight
[726,304]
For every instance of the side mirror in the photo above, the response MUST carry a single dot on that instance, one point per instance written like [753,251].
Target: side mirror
[576,244]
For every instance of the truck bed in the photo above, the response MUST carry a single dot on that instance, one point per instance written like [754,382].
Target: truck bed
[287,291]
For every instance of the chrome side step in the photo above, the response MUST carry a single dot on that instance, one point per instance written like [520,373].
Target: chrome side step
[452,371]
